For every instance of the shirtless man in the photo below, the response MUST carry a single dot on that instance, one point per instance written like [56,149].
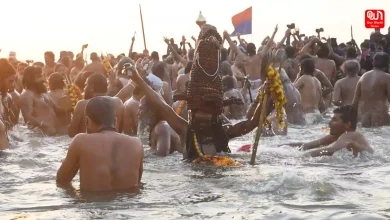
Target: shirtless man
[326,85]
[96,85]
[7,78]
[163,140]
[130,118]
[310,88]
[96,66]
[373,93]
[324,64]
[252,61]
[50,64]
[233,111]
[19,84]
[344,89]
[106,159]
[238,70]
[183,79]
[56,91]
[291,65]
[343,135]
[38,109]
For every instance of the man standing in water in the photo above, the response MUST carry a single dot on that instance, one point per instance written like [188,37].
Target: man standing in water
[373,90]
[204,133]
[107,160]
[96,86]
[342,135]
[38,110]
[344,89]
[7,76]
[310,89]
[252,61]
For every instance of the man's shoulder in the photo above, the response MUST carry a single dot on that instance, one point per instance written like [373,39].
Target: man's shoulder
[26,94]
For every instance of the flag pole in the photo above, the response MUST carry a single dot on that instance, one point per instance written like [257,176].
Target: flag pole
[142,23]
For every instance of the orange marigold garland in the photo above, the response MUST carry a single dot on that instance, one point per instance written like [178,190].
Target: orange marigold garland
[180,107]
[74,93]
[219,161]
[277,94]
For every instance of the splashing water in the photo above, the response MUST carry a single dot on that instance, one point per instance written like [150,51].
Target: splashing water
[284,185]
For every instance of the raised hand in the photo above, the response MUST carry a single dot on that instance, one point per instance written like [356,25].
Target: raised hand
[166,40]
[288,32]
[276,29]
[226,34]
[183,39]
[193,38]
[238,35]
[85,46]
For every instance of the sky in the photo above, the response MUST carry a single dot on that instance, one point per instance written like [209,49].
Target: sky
[31,27]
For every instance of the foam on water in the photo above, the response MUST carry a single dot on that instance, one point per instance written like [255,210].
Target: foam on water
[283,185]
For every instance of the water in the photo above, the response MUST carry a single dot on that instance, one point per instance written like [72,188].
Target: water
[284,185]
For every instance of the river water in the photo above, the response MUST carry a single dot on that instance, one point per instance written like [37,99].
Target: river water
[283,185]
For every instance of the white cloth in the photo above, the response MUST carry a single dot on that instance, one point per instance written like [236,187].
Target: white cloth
[157,83]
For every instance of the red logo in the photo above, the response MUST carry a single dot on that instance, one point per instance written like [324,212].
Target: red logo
[375,18]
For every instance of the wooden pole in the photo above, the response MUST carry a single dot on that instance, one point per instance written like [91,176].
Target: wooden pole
[259,128]
[142,23]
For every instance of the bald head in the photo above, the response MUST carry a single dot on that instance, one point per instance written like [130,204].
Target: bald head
[101,110]
[351,67]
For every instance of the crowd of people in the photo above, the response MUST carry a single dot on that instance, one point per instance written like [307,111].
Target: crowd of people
[185,101]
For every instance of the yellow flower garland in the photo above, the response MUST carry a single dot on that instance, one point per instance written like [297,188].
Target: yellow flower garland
[75,94]
[219,161]
[277,94]
[107,65]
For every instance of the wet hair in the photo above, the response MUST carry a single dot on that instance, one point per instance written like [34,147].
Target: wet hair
[351,67]
[56,81]
[308,67]
[290,52]
[99,83]
[280,55]
[251,49]
[323,51]
[6,70]
[226,69]
[101,110]
[158,70]
[348,114]
[29,75]
[228,83]
[94,56]
[49,54]
[81,78]
[351,53]
[381,60]
[155,55]
[224,54]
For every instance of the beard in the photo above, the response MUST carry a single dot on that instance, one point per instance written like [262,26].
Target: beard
[88,94]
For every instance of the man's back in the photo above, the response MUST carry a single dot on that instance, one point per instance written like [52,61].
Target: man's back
[96,67]
[109,161]
[346,88]
[310,89]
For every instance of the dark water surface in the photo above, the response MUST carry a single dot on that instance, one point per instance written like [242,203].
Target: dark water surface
[284,185]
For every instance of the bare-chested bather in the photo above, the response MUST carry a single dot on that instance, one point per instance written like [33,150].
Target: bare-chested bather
[373,93]
[342,135]
[252,61]
[96,85]
[106,159]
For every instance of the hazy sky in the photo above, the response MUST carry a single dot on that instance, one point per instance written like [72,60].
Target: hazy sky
[31,27]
